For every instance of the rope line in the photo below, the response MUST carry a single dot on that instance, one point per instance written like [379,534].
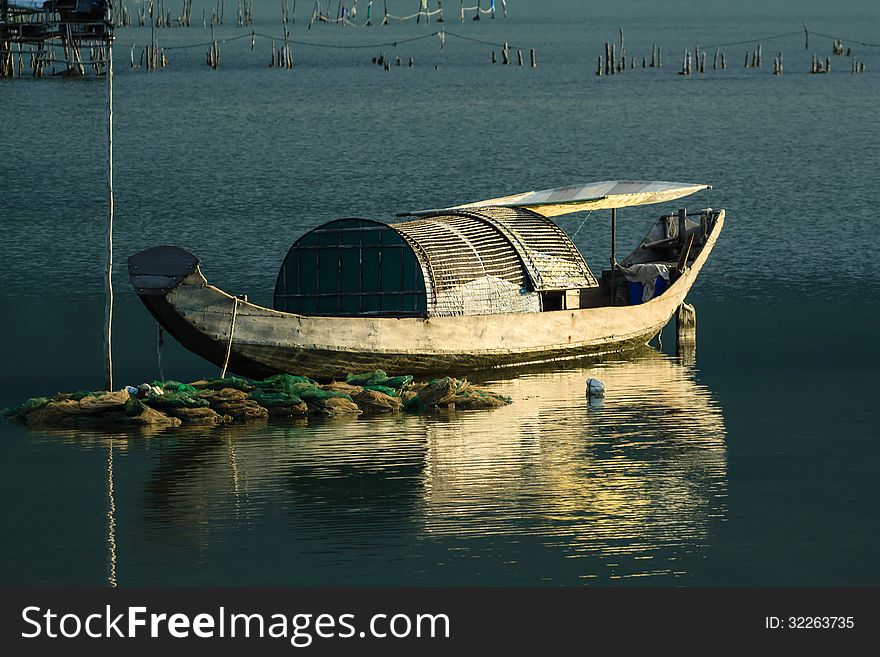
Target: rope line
[488,43]
[207,43]
[831,36]
[581,226]
[800,32]
[312,44]
[745,41]
[496,44]
[229,343]
[361,45]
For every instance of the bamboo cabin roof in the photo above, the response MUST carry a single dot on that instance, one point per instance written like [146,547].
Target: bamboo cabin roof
[487,237]
[589,196]
[467,262]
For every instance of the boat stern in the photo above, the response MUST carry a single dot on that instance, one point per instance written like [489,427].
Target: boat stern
[156,271]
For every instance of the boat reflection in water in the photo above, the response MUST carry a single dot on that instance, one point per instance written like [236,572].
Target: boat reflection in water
[640,471]
[553,488]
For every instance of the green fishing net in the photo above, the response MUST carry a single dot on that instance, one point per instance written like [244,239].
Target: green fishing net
[378,378]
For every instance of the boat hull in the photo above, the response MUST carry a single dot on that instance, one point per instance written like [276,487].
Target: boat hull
[261,341]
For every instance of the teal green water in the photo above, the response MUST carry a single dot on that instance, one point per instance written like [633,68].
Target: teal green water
[754,465]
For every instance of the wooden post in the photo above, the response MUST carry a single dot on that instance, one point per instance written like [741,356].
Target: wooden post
[519,58]
[505,53]
[653,55]
[108,268]
[599,67]
[493,57]
[715,60]
[682,225]
[723,62]
[686,317]
[686,333]
[660,56]
[532,59]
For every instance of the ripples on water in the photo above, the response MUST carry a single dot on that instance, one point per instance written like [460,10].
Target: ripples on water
[625,487]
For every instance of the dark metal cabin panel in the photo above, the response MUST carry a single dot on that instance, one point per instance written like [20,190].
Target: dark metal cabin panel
[351,267]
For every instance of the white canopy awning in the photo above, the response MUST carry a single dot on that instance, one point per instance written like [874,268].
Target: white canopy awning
[591,196]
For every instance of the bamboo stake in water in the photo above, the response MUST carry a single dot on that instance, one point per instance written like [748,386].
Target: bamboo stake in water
[108,270]
[160,344]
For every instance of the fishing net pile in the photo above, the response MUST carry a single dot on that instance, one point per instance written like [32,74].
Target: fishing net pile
[237,399]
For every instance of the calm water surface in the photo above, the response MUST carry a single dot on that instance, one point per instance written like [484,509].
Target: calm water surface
[754,464]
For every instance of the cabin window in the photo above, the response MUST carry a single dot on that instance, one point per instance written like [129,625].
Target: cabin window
[552,300]
[561,300]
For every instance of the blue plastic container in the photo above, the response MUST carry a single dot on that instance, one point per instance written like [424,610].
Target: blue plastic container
[636,290]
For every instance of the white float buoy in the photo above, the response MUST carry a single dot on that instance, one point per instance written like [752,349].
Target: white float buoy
[595,388]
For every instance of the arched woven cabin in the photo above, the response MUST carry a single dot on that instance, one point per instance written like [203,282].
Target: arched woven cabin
[486,261]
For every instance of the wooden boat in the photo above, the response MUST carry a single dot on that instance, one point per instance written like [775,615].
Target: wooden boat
[484,284]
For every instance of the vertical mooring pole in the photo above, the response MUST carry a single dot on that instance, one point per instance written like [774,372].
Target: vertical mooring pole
[108,269]
[613,236]
[682,225]
[613,254]
[686,333]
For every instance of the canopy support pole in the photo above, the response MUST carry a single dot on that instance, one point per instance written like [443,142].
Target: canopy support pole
[613,254]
